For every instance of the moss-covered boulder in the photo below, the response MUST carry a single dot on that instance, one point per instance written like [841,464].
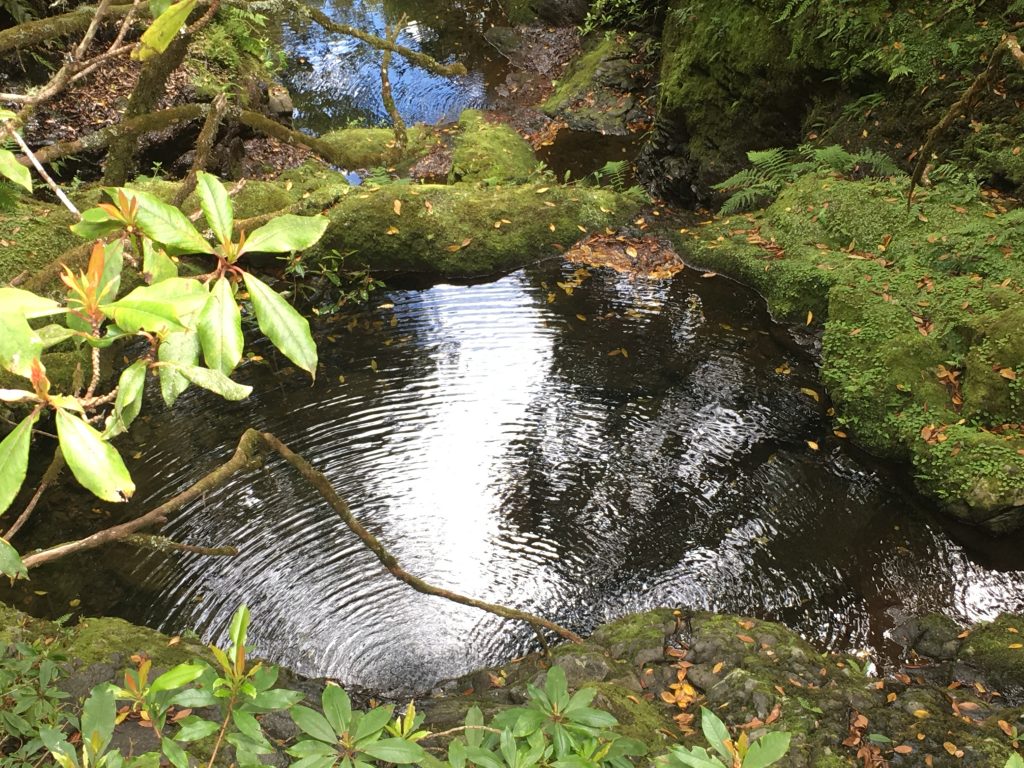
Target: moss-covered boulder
[357,148]
[919,307]
[599,91]
[741,75]
[490,153]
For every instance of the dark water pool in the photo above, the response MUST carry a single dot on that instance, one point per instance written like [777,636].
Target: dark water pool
[489,437]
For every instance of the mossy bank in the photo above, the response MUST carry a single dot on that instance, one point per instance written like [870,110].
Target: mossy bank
[920,309]
[653,671]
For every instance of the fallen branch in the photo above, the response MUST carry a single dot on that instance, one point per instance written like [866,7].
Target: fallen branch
[32,33]
[289,136]
[963,105]
[204,145]
[421,60]
[165,545]
[247,455]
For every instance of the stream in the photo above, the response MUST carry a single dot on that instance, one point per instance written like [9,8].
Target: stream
[580,452]
[631,445]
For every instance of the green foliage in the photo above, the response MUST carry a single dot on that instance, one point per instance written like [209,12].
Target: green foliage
[235,45]
[614,172]
[764,751]
[180,318]
[619,15]
[30,700]
[331,283]
[772,169]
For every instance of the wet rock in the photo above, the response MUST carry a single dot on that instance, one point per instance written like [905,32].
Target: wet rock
[932,635]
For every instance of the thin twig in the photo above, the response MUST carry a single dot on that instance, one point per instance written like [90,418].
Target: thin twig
[45,176]
[461,729]
[49,477]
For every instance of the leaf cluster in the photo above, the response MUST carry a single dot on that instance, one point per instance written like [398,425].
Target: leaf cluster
[181,318]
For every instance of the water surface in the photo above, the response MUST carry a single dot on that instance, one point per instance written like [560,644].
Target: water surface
[580,456]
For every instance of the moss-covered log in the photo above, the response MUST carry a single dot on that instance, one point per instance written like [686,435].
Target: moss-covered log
[38,31]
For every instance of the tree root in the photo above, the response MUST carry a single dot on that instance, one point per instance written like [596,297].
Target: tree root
[248,454]
[963,105]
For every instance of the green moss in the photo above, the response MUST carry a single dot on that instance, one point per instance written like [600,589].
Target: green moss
[34,234]
[450,230]
[638,719]
[96,640]
[358,148]
[491,153]
[578,79]
[904,297]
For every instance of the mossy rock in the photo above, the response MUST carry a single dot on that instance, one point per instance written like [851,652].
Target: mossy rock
[597,92]
[919,310]
[360,148]
[490,153]
[34,234]
[994,651]
[463,230]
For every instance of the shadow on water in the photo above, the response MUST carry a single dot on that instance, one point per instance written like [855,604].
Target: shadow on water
[490,437]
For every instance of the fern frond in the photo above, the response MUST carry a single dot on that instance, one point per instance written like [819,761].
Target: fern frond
[749,198]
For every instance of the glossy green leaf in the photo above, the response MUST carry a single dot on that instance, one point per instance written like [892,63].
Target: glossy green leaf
[275,698]
[195,728]
[17,396]
[337,708]
[10,562]
[113,264]
[97,722]
[715,732]
[96,223]
[178,349]
[175,755]
[14,460]
[286,233]
[239,630]
[156,264]
[767,750]
[163,29]
[94,463]
[130,387]
[176,677]
[27,304]
[220,329]
[216,205]
[313,723]
[167,225]
[157,7]
[214,381]
[58,747]
[282,324]
[166,306]
[371,723]
[13,170]
[54,334]
[474,719]
[397,751]
[19,344]
[247,724]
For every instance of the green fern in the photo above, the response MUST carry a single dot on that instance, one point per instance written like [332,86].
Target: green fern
[772,169]
[614,172]
[18,10]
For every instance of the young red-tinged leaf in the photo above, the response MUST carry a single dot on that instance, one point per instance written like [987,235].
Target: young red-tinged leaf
[14,459]
[216,205]
[93,462]
[282,324]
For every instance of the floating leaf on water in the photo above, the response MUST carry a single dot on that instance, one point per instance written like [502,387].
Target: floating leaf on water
[811,394]
[582,318]
[811,444]
[373,365]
